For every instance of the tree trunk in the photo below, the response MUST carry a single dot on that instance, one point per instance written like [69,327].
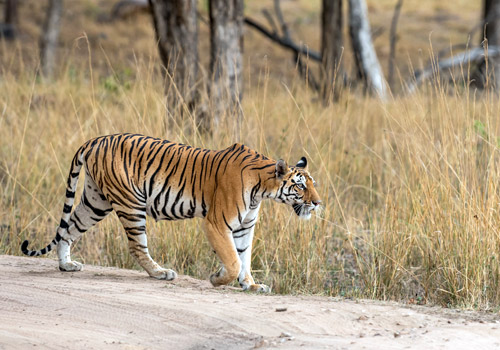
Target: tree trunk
[392,44]
[489,71]
[365,56]
[176,27]
[226,67]
[331,48]
[8,29]
[50,35]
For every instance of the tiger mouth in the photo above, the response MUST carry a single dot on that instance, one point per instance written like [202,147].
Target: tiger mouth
[303,210]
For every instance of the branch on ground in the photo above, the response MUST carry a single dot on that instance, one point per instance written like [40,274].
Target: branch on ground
[475,56]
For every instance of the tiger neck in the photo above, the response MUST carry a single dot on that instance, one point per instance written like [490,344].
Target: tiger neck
[266,185]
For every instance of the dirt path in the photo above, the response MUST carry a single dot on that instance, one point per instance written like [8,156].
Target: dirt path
[107,308]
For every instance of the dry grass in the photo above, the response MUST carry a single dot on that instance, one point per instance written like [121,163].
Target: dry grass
[410,187]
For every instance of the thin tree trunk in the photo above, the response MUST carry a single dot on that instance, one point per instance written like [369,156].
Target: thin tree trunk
[11,11]
[365,56]
[50,36]
[331,48]
[176,27]
[489,70]
[392,42]
[8,28]
[226,61]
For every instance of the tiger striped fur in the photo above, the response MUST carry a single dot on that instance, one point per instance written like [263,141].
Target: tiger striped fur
[136,175]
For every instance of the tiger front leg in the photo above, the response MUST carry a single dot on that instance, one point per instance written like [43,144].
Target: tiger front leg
[221,241]
[245,278]
[243,238]
[235,255]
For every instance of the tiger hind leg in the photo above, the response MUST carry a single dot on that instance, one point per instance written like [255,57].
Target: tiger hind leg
[93,208]
[134,223]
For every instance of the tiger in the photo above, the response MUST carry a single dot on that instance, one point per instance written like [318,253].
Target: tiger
[139,176]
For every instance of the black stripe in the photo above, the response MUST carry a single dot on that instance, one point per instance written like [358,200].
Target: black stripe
[263,167]
[76,225]
[242,229]
[242,235]
[242,250]
[96,211]
[24,247]
[131,216]
[136,231]
[225,221]
[70,194]
[67,209]
[63,224]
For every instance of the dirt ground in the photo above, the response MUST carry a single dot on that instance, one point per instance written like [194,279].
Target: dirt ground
[108,308]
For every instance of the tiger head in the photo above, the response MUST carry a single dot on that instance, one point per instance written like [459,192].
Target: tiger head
[296,188]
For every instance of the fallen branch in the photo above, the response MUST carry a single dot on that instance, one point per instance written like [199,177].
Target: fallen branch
[475,55]
[303,69]
[270,20]
[125,8]
[286,43]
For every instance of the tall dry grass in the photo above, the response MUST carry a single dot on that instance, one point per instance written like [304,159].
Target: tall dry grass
[409,186]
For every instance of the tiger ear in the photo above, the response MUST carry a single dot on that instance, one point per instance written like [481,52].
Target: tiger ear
[281,168]
[302,163]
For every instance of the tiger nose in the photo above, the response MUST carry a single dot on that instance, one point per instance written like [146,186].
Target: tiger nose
[316,202]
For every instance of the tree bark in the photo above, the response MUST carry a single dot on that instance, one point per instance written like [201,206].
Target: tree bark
[226,61]
[176,27]
[8,28]
[50,36]
[392,42]
[331,48]
[489,69]
[365,56]
[11,11]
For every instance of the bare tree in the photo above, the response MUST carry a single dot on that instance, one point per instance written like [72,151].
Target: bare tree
[50,36]
[176,27]
[331,47]
[365,56]
[226,61]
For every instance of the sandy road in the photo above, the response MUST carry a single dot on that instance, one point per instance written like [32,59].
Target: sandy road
[107,308]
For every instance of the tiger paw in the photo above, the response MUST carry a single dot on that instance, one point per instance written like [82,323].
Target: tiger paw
[70,266]
[164,274]
[258,288]
[214,279]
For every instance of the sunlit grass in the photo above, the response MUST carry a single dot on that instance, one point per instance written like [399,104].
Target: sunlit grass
[409,187]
